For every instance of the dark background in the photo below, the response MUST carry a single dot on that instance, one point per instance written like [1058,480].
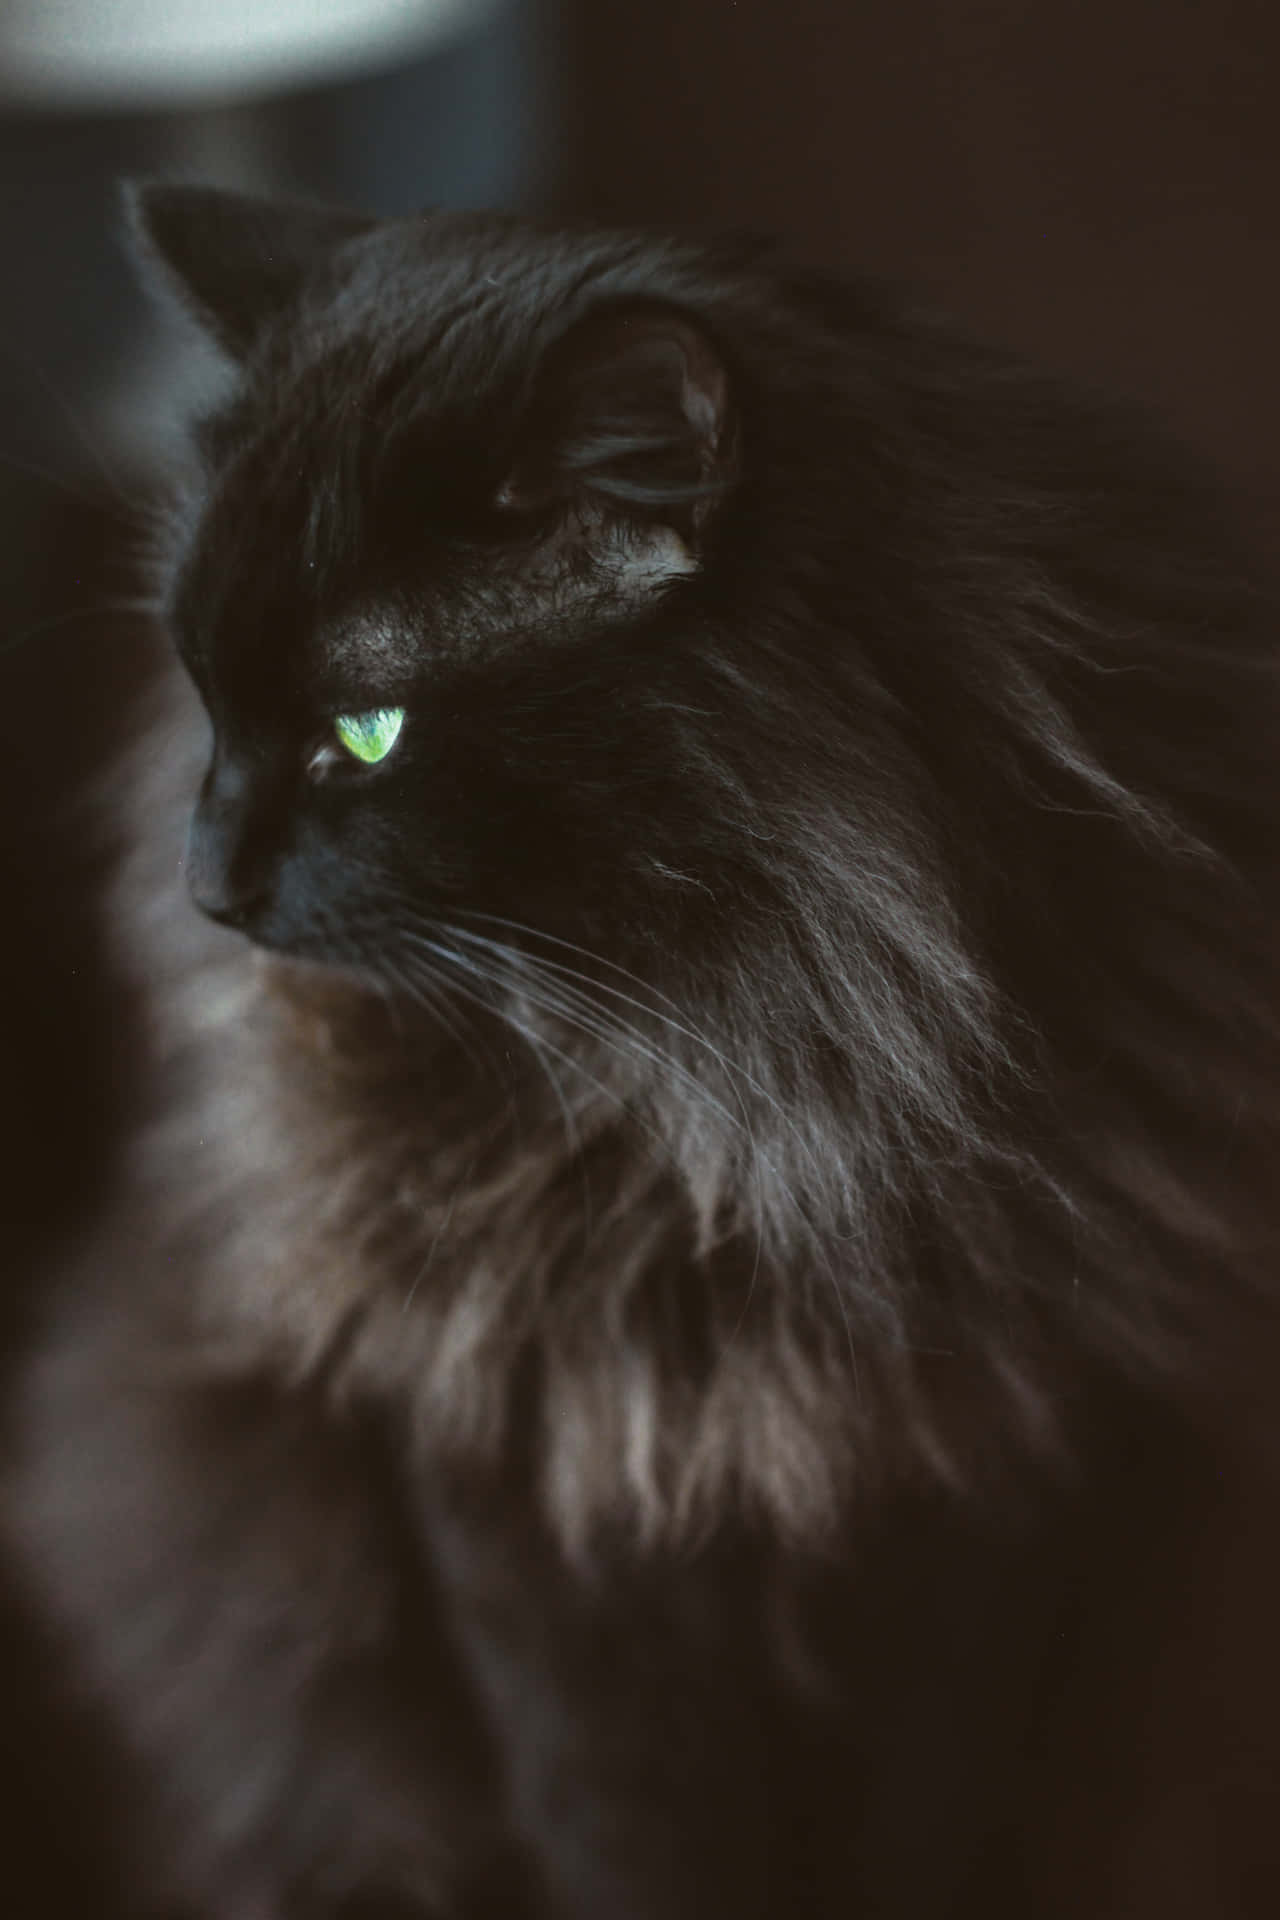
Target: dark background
[1094,181]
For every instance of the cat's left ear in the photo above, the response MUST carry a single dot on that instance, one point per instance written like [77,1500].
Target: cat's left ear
[631,410]
[234,261]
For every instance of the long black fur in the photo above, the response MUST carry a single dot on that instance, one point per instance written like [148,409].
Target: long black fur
[748,1164]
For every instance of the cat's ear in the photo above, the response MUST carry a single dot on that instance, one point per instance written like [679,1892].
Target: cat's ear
[233,260]
[630,409]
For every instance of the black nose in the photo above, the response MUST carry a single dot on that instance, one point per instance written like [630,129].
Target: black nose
[227,876]
[233,841]
[230,909]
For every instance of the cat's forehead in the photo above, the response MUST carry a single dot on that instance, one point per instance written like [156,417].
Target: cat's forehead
[326,477]
[297,479]
[472,615]
[287,568]
[414,320]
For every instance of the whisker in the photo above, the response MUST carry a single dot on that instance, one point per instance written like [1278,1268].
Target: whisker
[572,997]
[490,978]
[730,1067]
[759,1160]
[60,484]
[435,1001]
[31,365]
[103,610]
[433,996]
[583,1013]
[573,1137]
[664,1058]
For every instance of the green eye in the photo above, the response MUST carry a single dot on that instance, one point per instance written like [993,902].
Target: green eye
[370,736]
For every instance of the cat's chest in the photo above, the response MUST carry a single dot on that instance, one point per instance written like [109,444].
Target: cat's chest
[508,1274]
[738,1728]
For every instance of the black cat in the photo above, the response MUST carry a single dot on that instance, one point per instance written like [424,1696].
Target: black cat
[676,1327]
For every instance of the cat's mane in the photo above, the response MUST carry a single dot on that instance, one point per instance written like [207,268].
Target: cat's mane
[972,1101]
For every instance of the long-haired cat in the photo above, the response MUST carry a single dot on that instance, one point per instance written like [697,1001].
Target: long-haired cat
[703,1239]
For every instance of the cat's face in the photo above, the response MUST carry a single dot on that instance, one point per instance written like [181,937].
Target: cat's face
[451,529]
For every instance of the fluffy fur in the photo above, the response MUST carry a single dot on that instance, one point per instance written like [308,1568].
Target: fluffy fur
[790,1052]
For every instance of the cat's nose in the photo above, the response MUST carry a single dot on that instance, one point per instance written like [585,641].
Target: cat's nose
[229,863]
[224,878]
[237,909]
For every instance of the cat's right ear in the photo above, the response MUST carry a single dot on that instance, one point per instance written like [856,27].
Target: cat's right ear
[631,409]
[233,261]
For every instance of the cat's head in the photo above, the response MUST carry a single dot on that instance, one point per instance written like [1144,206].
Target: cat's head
[445,557]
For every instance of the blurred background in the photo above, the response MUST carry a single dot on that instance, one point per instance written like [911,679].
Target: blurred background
[1092,180]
